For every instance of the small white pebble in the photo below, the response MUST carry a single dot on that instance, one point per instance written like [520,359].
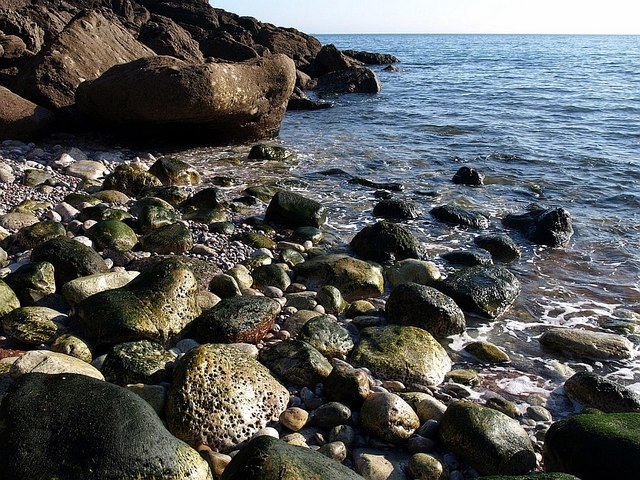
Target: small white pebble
[84,240]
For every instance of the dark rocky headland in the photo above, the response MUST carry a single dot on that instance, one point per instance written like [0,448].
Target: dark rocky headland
[155,327]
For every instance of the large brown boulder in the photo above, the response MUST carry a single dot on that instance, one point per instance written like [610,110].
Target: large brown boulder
[216,101]
[21,119]
[14,22]
[196,16]
[89,45]
[166,37]
[300,47]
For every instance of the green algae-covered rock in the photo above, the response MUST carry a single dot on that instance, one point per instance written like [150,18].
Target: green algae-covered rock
[293,210]
[137,362]
[487,352]
[331,299]
[8,299]
[595,391]
[487,291]
[412,270]
[70,259]
[29,237]
[386,241]
[79,428]
[347,385]
[262,192]
[268,152]
[224,286]
[103,212]
[408,354]
[296,362]
[32,282]
[267,458]
[208,198]
[34,325]
[256,240]
[113,234]
[175,196]
[425,307]
[356,279]
[206,215]
[595,446]
[221,397]
[157,305]
[153,213]
[113,197]
[175,238]
[236,319]
[271,276]
[327,336]
[172,171]
[130,181]
[486,439]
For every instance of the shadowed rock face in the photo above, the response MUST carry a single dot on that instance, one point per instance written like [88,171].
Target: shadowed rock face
[20,118]
[219,102]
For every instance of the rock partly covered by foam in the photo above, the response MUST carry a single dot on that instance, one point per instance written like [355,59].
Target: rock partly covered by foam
[595,391]
[216,101]
[79,428]
[221,397]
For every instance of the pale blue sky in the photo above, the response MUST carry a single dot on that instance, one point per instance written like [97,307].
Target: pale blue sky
[445,16]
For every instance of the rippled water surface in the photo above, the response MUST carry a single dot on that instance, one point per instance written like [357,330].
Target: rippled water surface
[548,119]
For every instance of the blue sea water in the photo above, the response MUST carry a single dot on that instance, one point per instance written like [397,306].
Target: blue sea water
[553,120]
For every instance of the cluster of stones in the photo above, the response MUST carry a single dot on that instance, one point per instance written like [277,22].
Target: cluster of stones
[120,317]
[229,78]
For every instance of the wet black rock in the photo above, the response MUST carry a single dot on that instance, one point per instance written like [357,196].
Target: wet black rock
[468,176]
[551,226]
[386,241]
[501,247]
[455,215]
[469,258]
[370,58]
[396,208]
[595,391]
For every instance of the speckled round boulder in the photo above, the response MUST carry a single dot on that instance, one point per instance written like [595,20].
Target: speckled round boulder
[389,417]
[221,397]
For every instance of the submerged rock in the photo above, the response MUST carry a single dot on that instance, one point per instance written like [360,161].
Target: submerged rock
[595,446]
[267,458]
[386,241]
[221,397]
[595,391]
[587,344]
[96,431]
[486,439]
[485,291]
[468,176]
[552,226]
[459,216]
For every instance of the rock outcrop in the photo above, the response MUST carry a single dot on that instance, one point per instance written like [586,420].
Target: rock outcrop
[216,101]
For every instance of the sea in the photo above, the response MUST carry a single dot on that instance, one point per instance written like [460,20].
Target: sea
[549,120]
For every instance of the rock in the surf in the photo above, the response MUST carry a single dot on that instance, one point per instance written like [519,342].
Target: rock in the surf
[551,226]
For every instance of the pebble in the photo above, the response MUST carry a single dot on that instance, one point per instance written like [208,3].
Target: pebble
[334,450]
[539,414]
[294,418]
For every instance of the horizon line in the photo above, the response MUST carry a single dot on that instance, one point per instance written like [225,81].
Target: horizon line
[481,33]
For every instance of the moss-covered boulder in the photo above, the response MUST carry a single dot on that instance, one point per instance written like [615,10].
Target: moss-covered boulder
[271,276]
[32,282]
[487,352]
[595,391]
[29,237]
[34,325]
[152,213]
[172,171]
[293,210]
[425,307]
[408,354]
[138,362]
[70,259]
[486,439]
[221,397]
[327,336]
[595,446]
[454,215]
[487,291]
[206,215]
[236,319]
[113,234]
[79,428]
[356,279]
[266,458]
[77,290]
[174,238]
[157,305]
[386,241]
[130,181]
[8,299]
[296,362]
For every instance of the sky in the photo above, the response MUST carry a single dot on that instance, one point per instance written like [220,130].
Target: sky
[446,16]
